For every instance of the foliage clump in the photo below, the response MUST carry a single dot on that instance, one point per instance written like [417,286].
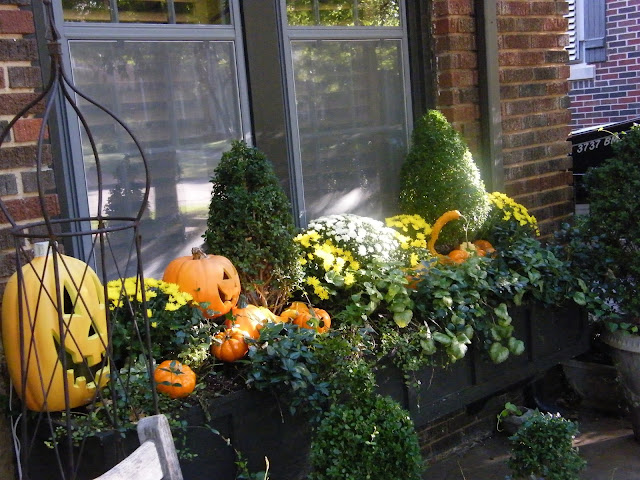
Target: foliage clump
[439,175]
[371,438]
[543,446]
[250,223]
[612,224]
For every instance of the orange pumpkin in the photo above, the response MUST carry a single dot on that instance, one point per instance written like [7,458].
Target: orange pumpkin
[485,247]
[174,379]
[435,231]
[209,279]
[458,256]
[317,318]
[293,310]
[248,319]
[229,345]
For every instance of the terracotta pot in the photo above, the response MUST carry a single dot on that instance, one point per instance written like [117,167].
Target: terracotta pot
[625,349]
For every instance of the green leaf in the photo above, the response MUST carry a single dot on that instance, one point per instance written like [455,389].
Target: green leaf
[579,298]
[498,352]
[402,319]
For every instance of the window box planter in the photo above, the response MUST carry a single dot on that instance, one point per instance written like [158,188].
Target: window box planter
[258,427]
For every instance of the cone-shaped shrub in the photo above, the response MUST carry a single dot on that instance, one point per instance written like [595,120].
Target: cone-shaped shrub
[439,175]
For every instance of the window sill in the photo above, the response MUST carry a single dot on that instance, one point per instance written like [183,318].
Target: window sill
[582,71]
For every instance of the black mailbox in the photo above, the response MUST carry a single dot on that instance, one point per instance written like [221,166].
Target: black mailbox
[590,147]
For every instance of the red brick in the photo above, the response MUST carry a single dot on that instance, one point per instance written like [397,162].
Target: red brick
[22,209]
[457,78]
[16,21]
[24,77]
[12,103]
[22,49]
[27,130]
[23,156]
[513,8]
[538,184]
[2,84]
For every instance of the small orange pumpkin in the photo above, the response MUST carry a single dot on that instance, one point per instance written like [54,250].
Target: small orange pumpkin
[458,256]
[317,318]
[229,345]
[174,379]
[484,246]
[293,310]
[209,279]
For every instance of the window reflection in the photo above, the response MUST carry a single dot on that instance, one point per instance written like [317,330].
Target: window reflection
[375,13]
[351,117]
[206,12]
[181,101]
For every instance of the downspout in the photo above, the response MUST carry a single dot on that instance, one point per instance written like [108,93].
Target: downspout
[492,167]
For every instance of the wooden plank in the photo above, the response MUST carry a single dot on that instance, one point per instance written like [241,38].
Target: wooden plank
[143,464]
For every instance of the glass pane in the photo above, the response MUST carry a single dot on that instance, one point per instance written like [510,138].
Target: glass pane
[353,132]
[378,13]
[204,12]
[86,11]
[143,11]
[181,101]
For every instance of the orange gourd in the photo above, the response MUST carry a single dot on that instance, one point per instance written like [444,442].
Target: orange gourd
[317,318]
[484,246]
[174,379]
[458,256]
[248,318]
[435,230]
[209,279]
[229,345]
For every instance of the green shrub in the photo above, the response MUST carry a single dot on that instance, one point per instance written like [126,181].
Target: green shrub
[542,446]
[373,438]
[250,223]
[438,175]
[612,224]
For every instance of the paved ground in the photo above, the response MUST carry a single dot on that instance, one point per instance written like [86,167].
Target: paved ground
[605,442]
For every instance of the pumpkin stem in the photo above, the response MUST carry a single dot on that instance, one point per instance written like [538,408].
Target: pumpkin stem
[198,253]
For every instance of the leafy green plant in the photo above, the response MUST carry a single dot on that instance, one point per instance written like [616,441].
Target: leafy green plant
[250,223]
[282,361]
[371,438]
[542,446]
[439,175]
[613,270]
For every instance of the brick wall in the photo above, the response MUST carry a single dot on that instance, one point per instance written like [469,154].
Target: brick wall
[533,76]
[613,95]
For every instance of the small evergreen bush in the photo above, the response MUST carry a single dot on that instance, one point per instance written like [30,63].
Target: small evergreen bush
[370,437]
[439,175]
[250,223]
[542,446]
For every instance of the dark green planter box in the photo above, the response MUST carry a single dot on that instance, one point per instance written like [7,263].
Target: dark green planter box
[258,427]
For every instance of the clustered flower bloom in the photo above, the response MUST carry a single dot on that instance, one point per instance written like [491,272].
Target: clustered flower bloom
[337,248]
[512,210]
[412,232]
[119,291]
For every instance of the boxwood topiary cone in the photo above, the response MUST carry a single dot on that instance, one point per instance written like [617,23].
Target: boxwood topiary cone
[250,223]
[439,175]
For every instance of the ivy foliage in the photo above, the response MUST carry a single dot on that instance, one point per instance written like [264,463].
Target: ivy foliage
[439,175]
[250,223]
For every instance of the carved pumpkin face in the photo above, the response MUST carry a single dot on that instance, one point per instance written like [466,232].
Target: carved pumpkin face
[209,279]
[82,341]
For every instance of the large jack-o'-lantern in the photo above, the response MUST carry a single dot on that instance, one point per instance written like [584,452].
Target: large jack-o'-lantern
[209,279]
[83,339]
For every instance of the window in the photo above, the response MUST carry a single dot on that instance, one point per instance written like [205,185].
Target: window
[587,35]
[334,92]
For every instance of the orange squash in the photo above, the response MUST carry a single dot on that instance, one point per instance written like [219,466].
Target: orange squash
[229,345]
[209,279]
[458,256]
[174,379]
[248,319]
[437,226]
[317,318]
[485,247]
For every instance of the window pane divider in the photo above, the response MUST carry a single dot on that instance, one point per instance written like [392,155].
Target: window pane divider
[136,31]
[346,33]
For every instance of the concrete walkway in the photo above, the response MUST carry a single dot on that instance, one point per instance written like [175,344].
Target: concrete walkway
[605,442]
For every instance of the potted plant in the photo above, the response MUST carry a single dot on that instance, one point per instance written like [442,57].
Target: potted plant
[604,250]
